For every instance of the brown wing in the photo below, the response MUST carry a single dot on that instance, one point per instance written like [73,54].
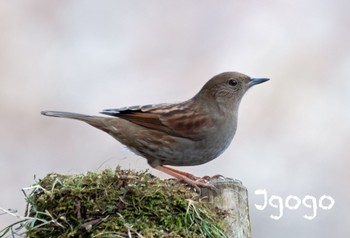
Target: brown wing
[182,120]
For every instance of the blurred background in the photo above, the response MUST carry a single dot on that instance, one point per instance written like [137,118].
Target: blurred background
[84,56]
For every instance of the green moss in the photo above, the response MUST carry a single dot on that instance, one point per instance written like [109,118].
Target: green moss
[120,203]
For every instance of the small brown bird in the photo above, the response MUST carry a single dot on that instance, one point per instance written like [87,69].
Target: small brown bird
[192,132]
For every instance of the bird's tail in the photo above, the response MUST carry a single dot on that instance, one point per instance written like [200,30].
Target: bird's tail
[66,115]
[102,123]
[92,120]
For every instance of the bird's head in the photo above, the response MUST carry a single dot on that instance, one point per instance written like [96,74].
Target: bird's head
[227,89]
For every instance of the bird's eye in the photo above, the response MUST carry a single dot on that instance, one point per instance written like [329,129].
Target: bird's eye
[232,82]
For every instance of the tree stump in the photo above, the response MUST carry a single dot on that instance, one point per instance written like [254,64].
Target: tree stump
[232,197]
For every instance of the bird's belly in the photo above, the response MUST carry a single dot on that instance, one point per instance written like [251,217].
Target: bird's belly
[177,151]
[202,152]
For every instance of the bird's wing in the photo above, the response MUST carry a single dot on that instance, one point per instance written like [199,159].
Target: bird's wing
[181,120]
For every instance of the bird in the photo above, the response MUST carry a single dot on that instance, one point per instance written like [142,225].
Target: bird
[189,133]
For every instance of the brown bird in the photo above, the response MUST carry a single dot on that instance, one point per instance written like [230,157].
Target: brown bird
[192,132]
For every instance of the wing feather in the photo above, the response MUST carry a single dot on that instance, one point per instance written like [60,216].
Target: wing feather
[181,120]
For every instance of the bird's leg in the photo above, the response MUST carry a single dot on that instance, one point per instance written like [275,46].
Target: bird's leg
[185,177]
[188,175]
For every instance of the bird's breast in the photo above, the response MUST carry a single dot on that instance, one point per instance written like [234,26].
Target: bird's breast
[189,152]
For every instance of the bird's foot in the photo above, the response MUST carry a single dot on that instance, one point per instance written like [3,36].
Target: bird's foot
[217,176]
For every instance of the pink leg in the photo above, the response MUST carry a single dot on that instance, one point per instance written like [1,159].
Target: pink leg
[185,177]
[188,175]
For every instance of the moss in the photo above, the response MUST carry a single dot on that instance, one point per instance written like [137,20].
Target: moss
[120,203]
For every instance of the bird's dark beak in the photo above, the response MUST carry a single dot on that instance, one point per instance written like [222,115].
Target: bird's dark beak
[255,81]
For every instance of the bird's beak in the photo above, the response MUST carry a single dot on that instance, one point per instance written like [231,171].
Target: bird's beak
[255,81]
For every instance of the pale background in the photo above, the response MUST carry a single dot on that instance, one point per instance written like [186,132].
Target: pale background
[84,56]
